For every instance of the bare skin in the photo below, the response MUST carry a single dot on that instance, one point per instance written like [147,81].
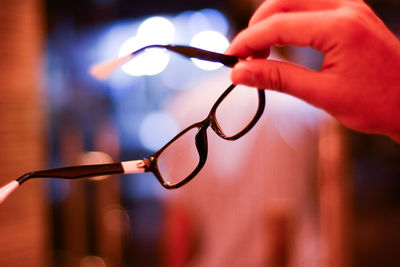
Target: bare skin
[359,80]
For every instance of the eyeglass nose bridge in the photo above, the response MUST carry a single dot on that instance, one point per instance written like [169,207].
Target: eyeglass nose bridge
[216,127]
[202,142]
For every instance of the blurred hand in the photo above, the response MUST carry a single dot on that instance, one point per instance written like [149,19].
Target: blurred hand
[359,81]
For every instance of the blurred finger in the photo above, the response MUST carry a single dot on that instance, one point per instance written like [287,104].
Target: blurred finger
[283,77]
[301,29]
[271,7]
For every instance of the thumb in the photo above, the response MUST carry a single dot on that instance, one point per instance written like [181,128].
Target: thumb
[284,77]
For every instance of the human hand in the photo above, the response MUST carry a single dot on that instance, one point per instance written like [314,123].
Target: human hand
[359,80]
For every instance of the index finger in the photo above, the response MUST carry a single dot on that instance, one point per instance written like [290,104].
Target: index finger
[301,29]
[271,7]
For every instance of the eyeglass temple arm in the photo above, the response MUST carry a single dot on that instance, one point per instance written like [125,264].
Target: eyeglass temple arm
[75,172]
[104,70]
[193,52]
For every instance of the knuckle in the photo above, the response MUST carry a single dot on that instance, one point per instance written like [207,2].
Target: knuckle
[347,21]
[276,79]
[362,9]
[353,21]
[271,79]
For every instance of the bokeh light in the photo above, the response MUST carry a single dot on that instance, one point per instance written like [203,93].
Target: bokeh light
[216,20]
[157,129]
[150,62]
[209,40]
[154,30]
[95,157]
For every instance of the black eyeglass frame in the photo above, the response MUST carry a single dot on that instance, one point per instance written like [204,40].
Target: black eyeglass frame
[201,138]
[150,164]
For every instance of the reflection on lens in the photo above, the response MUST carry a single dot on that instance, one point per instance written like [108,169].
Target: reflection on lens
[237,110]
[179,159]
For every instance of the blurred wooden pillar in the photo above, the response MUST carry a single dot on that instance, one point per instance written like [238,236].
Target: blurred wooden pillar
[23,228]
[93,219]
[335,196]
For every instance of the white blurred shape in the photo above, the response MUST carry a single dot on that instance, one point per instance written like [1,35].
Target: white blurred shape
[112,38]
[198,22]
[150,62]
[154,30]
[157,129]
[216,20]
[181,23]
[212,41]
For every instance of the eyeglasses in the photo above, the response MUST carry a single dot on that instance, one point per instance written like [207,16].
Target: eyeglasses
[182,158]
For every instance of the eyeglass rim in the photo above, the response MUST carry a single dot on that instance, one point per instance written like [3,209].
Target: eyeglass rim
[116,168]
[217,128]
[202,148]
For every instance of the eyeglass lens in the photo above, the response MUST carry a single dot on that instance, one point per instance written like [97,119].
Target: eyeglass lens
[237,110]
[178,160]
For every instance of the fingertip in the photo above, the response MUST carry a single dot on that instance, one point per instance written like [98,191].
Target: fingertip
[238,46]
[233,50]
[280,76]
[228,51]
[241,74]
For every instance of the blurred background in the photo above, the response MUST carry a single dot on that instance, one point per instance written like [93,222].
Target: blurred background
[343,189]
